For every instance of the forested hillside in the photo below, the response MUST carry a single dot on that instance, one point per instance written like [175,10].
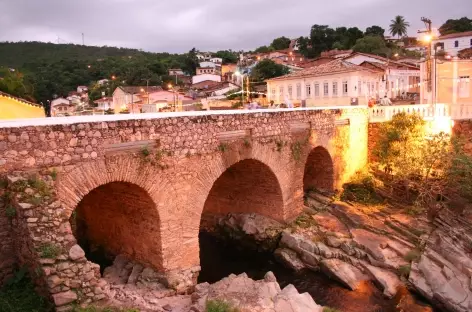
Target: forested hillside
[44,70]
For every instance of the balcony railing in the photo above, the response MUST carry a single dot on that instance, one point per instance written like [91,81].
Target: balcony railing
[426,111]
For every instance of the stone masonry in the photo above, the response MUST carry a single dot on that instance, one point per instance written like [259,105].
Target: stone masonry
[138,186]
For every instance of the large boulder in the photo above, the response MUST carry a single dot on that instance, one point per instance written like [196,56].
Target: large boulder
[343,272]
[289,258]
[386,280]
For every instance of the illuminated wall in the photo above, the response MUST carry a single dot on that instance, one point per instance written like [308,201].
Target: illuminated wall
[11,108]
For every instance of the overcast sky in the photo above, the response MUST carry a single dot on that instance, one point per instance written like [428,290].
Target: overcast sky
[179,25]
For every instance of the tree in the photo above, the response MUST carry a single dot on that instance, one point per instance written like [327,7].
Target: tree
[267,69]
[375,31]
[399,26]
[427,166]
[281,43]
[263,49]
[191,62]
[372,44]
[456,25]
[228,56]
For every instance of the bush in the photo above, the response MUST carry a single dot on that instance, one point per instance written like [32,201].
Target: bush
[18,295]
[361,189]
[219,306]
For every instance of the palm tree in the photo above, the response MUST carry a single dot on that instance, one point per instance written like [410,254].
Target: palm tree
[398,26]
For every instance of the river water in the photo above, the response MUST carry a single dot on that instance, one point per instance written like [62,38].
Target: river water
[219,259]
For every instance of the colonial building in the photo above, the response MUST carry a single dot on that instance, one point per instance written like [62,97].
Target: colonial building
[453,43]
[62,107]
[13,107]
[336,83]
[451,82]
[104,104]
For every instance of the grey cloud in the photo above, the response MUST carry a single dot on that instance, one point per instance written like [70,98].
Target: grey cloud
[179,25]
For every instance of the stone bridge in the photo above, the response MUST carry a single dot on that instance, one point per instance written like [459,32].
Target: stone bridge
[139,184]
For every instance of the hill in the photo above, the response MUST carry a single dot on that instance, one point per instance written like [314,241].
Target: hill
[17,54]
[45,70]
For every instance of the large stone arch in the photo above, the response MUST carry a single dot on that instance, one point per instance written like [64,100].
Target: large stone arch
[118,198]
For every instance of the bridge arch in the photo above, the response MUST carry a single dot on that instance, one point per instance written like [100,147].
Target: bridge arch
[112,206]
[248,186]
[319,172]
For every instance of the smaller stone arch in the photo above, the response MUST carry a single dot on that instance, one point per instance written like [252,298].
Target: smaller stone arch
[248,186]
[319,171]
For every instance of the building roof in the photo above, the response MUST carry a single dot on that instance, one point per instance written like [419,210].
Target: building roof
[456,35]
[380,58]
[137,89]
[104,100]
[333,67]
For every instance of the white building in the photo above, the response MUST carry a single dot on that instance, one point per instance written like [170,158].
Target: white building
[204,77]
[105,103]
[103,82]
[337,83]
[82,89]
[400,77]
[216,60]
[453,43]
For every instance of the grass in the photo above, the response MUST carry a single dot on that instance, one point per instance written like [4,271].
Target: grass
[305,221]
[145,152]
[219,306]
[53,174]
[18,295]
[35,201]
[328,309]
[39,185]
[297,151]
[413,255]
[247,143]
[280,145]
[49,251]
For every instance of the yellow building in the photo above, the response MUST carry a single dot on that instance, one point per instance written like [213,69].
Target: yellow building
[15,108]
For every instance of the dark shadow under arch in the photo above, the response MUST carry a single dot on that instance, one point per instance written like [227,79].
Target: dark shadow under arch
[319,171]
[249,186]
[118,218]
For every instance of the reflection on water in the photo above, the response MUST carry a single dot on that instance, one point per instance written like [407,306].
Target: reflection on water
[219,260]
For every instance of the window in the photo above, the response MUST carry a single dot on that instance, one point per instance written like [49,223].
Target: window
[471,42]
[325,89]
[281,91]
[464,86]
[308,90]
[290,92]
[345,88]
[456,44]
[360,87]
[273,93]
[377,87]
[392,86]
[335,88]
[368,88]
[317,89]
[299,91]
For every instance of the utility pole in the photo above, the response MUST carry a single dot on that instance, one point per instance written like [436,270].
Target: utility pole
[147,88]
[429,58]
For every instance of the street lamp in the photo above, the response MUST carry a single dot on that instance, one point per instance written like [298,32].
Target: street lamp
[113,77]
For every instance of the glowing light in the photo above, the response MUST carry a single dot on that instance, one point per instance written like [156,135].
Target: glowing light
[427,38]
[442,124]
[142,90]
[169,86]
[113,77]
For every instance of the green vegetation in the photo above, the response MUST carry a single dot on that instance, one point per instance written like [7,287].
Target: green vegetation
[49,251]
[372,44]
[296,151]
[427,168]
[267,69]
[223,147]
[399,27]
[280,145]
[361,189]
[328,309]
[305,221]
[103,309]
[18,295]
[413,255]
[404,270]
[39,185]
[145,152]
[53,174]
[247,143]
[10,212]
[219,306]
[456,25]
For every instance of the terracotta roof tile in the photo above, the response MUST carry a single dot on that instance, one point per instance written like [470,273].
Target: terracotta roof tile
[137,89]
[333,67]
[456,35]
